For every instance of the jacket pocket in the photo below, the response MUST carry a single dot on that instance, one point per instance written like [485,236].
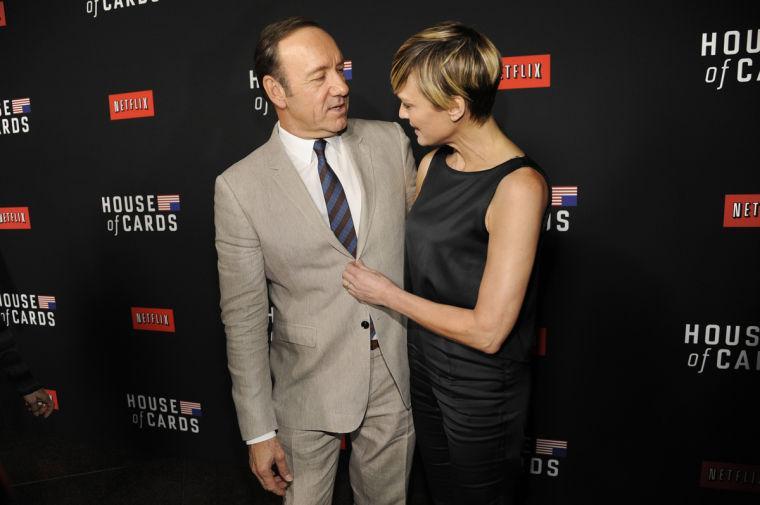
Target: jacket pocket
[296,334]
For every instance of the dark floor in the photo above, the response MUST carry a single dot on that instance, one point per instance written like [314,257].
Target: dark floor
[44,468]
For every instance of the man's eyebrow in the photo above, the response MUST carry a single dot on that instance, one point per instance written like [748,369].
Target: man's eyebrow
[320,68]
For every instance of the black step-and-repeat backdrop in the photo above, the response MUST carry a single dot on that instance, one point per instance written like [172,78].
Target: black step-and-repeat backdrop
[116,116]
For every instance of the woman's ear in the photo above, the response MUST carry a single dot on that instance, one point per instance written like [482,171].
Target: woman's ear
[274,91]
[457,108]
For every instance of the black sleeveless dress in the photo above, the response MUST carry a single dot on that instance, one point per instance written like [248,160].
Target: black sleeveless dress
[469,407]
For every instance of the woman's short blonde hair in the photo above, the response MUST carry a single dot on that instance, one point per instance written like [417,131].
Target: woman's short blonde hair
[448,60]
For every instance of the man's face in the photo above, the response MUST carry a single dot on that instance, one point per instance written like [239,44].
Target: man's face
[316,104]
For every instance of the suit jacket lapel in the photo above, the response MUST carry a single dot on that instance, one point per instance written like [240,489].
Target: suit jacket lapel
[363,160]
[286,176]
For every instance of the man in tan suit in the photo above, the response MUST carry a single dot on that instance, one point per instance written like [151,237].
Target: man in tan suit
[322,192]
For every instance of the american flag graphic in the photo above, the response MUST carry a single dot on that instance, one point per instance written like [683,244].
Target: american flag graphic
[347,70]
[168,203]
[190,408]
[564,196]
[46,302]
[551,447]
[21,106]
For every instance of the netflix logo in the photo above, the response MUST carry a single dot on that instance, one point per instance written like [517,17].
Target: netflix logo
[741,211]
[731,476]
[53,396]
[520,72]
[15,218]
[132,105]
[146,319]
[2,14]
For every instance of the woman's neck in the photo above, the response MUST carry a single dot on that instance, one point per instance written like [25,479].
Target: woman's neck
[480,147]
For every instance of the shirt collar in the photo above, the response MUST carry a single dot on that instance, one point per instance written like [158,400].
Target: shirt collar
[301,149]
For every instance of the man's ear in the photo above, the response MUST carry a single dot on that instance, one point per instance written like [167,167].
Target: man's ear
[274,91]
[457,108]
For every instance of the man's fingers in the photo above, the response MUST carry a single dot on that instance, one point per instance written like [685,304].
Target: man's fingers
[282,466]
[268,481]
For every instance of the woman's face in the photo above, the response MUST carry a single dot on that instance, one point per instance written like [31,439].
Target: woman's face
[433,126]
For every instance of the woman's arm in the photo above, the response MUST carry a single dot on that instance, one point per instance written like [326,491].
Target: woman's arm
[514,222]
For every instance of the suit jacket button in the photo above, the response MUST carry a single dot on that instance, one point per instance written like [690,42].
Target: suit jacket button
[365,324]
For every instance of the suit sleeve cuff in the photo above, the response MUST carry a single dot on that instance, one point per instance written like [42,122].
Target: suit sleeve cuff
[265,436]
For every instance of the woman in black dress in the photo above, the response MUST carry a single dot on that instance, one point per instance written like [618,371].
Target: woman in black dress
[471,242]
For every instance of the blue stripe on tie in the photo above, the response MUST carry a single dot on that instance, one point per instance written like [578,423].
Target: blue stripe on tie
[339,217]
[326,181]
[346,230]
[333,200]
[335,197]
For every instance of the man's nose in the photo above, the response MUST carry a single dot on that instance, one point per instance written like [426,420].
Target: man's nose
[339,86]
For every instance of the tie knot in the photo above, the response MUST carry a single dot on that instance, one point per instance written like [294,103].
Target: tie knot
[319,147]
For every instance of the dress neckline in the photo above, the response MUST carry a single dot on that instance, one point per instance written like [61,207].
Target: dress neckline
[446,150]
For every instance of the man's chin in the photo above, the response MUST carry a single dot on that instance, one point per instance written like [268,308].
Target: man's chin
[340,124]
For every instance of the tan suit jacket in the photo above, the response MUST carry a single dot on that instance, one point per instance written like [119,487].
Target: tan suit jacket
[272,244]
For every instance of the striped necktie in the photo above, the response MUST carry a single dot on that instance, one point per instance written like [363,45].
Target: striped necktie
[338,211]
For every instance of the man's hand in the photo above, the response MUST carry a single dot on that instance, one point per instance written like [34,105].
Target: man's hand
[261,457]
[39,403]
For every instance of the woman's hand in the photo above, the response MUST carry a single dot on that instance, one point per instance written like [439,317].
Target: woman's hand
[367,285]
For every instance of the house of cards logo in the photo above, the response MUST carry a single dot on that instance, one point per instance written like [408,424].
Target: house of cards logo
[14,118]
[519,72]
[546,456]
[348,70]
[95,7]
[260,104]
[563,197]
[723,347]
[27,310]
[15,218]
[141,213]
[731,476]
[164,413]
[151,319]
[741,211]
[733,49]
[135,104]
[2,14]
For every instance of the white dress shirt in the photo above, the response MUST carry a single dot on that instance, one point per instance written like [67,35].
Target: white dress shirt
[301,153]
[304,159]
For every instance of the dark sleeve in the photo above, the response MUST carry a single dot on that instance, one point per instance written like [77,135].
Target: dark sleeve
[13,365]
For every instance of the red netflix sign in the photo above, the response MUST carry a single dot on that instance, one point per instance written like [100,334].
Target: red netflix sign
[2,14]
[53,396]
[131,105]
[518,72]
[15,218]
[147,319]
[731,476]
[741,211]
